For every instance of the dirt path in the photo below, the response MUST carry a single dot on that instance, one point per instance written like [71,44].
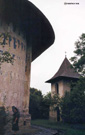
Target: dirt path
[45,131]
[35,130]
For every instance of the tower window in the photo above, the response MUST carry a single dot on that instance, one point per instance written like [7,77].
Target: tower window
[57,89]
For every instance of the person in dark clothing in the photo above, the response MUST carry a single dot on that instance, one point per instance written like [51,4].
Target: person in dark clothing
[15,120]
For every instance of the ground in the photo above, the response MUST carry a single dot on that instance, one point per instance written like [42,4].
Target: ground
[46,127]
[35,130]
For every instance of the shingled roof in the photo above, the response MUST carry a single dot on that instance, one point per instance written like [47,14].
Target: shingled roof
[29,20]
[65,71]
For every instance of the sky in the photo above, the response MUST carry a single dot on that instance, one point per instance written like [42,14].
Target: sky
[68,22]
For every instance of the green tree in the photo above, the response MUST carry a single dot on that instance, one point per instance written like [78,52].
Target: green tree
[46,102]
[50,103]
[79,58]
[39,104]
[73,104]
[35,106]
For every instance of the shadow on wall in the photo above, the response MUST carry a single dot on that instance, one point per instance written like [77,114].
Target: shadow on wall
[2,120]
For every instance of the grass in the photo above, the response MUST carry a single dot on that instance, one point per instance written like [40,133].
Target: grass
[64,128]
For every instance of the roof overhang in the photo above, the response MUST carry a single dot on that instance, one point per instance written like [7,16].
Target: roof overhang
[30,20]
[59,78]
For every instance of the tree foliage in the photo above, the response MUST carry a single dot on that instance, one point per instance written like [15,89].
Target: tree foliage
[73,104]
[39,104]
[35,103]
[46,102]
[79,58]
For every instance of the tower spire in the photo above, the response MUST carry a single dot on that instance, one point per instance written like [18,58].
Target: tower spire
[65,54]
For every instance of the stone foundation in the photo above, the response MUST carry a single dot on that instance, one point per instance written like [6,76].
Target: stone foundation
[24,123]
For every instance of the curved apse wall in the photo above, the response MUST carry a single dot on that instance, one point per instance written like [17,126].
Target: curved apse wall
[12,77]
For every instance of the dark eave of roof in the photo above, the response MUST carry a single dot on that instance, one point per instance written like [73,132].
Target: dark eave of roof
[29,20]
[65,71]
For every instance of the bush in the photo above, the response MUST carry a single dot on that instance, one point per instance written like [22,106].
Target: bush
[39,104]
[35,103]
[73,104]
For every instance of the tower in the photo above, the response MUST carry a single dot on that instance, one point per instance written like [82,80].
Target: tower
[60,82]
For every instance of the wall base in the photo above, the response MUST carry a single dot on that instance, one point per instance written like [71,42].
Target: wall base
[24,123]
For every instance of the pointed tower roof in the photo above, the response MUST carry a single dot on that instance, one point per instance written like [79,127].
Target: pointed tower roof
[65,71]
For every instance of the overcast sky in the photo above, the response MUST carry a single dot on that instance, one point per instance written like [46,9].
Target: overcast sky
[68,22]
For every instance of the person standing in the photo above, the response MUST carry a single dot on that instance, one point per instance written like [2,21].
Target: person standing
[15,121]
